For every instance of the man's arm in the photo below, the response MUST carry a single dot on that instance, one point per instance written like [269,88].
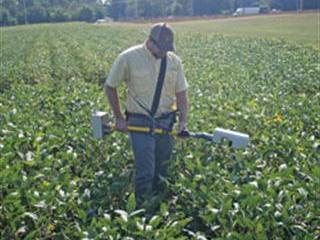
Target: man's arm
[113,98]
[117,75]
[182,105]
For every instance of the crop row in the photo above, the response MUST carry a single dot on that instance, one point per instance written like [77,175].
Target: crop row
[54,174]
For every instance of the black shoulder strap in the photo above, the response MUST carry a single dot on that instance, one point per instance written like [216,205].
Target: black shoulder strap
[157,94]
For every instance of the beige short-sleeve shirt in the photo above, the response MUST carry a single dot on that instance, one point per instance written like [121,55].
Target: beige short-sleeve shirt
[139,69]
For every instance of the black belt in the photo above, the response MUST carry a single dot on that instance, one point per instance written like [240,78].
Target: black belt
[144,116]
[137,115]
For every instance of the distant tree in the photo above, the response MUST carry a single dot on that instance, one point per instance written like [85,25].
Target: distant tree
[37,14]
[132,11]
[176,9]
[209,7]
[284,5]
[311,4]
[59,15]
[182,8]
[149,8]
[108,8]
[99,13]
[202,7]
[218,7]
[117,9]
[34,11]
[228,6]
[247,3]
[86,14]
[4,17]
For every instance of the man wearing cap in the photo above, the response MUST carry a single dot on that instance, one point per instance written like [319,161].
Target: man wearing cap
[150,105]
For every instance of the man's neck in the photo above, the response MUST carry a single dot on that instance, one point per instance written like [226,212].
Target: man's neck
[150,50]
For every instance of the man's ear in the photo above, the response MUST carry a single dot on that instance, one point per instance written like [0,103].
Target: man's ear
[149,40]
[150,45]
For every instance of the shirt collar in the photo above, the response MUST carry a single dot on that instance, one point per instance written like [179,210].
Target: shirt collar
[148,52]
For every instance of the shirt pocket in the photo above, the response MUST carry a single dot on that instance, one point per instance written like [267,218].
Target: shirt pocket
[140,81]
[170,82]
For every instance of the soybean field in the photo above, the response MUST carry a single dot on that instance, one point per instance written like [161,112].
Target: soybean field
[53,173]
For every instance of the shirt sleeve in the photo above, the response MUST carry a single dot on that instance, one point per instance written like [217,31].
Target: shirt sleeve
[118,72]
[181,84]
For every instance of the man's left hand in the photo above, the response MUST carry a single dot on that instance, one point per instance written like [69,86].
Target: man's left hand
[182,126]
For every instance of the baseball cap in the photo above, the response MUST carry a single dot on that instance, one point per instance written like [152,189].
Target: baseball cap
[162,35]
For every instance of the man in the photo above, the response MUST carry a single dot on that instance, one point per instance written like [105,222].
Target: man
[140,68]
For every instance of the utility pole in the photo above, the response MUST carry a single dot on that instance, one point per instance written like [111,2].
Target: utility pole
[301,5]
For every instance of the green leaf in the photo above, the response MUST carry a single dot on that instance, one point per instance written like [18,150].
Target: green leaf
[131,203]
[33,216]
[164,209]
[82,215]
[123,214]
[155,221]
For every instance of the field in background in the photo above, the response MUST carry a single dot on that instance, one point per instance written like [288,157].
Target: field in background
[303,28]
[58,182]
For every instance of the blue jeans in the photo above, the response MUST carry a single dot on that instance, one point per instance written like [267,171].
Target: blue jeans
[151,154]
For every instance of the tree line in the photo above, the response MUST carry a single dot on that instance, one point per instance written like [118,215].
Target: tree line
[132,9]
[14,12]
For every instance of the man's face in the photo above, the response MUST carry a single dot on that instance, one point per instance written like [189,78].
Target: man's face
[157,52]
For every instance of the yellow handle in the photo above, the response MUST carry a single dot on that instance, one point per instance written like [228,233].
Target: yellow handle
[144,129]
[147,130]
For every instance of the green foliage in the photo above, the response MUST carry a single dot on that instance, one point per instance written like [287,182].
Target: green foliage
[86,14]
[37,14]
[21,12]
[36,11]
[58,15]
[58,182]
[6,18]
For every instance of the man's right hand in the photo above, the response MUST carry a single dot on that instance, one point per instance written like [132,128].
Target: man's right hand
[121,125]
